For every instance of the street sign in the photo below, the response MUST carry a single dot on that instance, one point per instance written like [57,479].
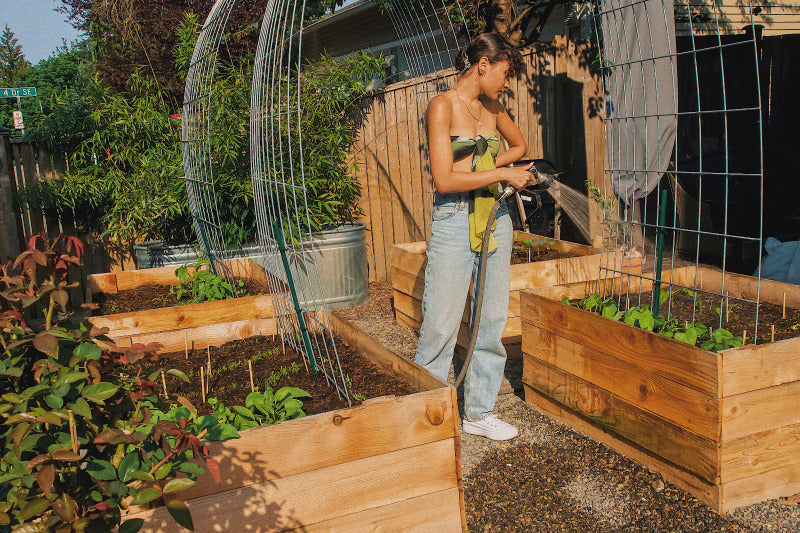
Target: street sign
[18,124]
[17,92]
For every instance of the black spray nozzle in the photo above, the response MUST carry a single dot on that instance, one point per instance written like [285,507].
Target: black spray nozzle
[543,169]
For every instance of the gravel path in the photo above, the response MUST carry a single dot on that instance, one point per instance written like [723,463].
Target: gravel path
[552,478]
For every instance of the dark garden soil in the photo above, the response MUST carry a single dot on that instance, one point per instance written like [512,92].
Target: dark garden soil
[230,376]
[734,315]
[152,297]
[535,255]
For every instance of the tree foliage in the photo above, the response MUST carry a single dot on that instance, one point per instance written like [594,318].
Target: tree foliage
[13,67]
[59,118]
[13,64]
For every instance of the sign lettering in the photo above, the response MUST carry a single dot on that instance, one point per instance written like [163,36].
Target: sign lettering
[18,92]
[18,124]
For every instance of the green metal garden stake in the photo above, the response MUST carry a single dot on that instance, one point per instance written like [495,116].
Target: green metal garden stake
[282,246]
[660,232]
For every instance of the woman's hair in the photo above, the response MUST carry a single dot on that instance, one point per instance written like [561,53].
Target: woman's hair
[493,47]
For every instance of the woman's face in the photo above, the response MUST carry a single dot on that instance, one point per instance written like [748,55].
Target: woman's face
[496,80]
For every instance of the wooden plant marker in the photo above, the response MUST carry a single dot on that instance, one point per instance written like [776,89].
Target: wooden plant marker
[772,333]
[744,337]
[164,384]
[208,376]
[186,344]
[203,383]
[727,308]
[73,432]
[784,305]
[250,367]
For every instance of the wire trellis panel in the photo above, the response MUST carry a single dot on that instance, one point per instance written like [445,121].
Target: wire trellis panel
[684,149]
[196,139]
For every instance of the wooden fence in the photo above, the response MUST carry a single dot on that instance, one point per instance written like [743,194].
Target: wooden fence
[556,102]
[23,164]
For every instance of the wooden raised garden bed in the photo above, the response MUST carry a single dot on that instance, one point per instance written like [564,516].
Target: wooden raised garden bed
[408,283]
[201,324]
[722,425]
[392,463]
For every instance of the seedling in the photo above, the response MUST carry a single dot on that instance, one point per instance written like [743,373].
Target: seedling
[201,284]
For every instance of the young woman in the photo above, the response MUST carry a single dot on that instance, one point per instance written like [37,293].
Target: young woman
[467,166]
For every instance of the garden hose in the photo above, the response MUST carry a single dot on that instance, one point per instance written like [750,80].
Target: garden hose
[476,318]
[544,178]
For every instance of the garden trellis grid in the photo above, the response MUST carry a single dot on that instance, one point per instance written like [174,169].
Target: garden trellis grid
[429,40]
[684,148]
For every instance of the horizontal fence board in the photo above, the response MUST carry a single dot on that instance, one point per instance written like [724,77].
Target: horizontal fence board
[752,367]
[656,434]
[177,340]
[422,514]
[708,493]
[323,494]
[760,410]
[682,405]
[758,453]
[186,316]
[674,360]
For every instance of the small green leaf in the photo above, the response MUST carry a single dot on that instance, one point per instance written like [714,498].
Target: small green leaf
[163,471]
[81,407]
[99,392]
[143,476]
[88,350]
[178,374]
[130,463]
[131,526]
[34,508]
[102,470]
[145,495]
[180,512]
[178,484]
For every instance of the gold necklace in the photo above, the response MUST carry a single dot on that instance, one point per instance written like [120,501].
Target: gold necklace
[468,109]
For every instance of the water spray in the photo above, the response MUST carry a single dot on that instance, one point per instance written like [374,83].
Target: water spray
[545,175]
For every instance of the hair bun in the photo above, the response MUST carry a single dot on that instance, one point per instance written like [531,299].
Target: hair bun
[462,61]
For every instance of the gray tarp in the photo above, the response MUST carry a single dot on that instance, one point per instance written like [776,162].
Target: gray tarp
[641,93]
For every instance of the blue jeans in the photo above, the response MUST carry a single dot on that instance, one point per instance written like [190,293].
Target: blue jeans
[451,264]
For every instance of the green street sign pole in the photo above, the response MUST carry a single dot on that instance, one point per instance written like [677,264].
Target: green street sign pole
[21,118]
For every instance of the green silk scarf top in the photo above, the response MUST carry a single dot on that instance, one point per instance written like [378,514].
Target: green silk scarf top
[483,150]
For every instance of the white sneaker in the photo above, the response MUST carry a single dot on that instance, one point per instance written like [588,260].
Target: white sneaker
[490,427]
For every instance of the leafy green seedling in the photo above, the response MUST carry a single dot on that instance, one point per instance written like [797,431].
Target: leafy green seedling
[203,285]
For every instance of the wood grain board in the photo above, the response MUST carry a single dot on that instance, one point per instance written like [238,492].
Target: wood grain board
[723,425]
[390,460]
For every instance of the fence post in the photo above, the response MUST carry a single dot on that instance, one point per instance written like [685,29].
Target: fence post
[12,241]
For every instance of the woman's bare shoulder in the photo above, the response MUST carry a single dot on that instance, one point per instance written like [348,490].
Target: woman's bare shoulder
[441,102]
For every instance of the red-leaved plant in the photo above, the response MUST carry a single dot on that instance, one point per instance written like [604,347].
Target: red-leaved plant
[78,440]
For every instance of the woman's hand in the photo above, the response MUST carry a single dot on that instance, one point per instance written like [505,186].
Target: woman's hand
[518,177]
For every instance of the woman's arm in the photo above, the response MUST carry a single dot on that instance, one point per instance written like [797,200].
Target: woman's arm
[517,147]
[439,117]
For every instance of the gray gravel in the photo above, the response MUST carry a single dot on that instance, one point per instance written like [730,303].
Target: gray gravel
[553,478]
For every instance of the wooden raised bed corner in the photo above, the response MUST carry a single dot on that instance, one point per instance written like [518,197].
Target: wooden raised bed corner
[390,464]
[408,283]
[722,425]
[201,324]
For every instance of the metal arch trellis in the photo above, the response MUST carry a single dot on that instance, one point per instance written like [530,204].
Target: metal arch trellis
[429,41]
[196,139]
[684,149]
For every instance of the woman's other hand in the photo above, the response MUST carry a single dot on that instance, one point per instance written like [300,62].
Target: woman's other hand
[518,177]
